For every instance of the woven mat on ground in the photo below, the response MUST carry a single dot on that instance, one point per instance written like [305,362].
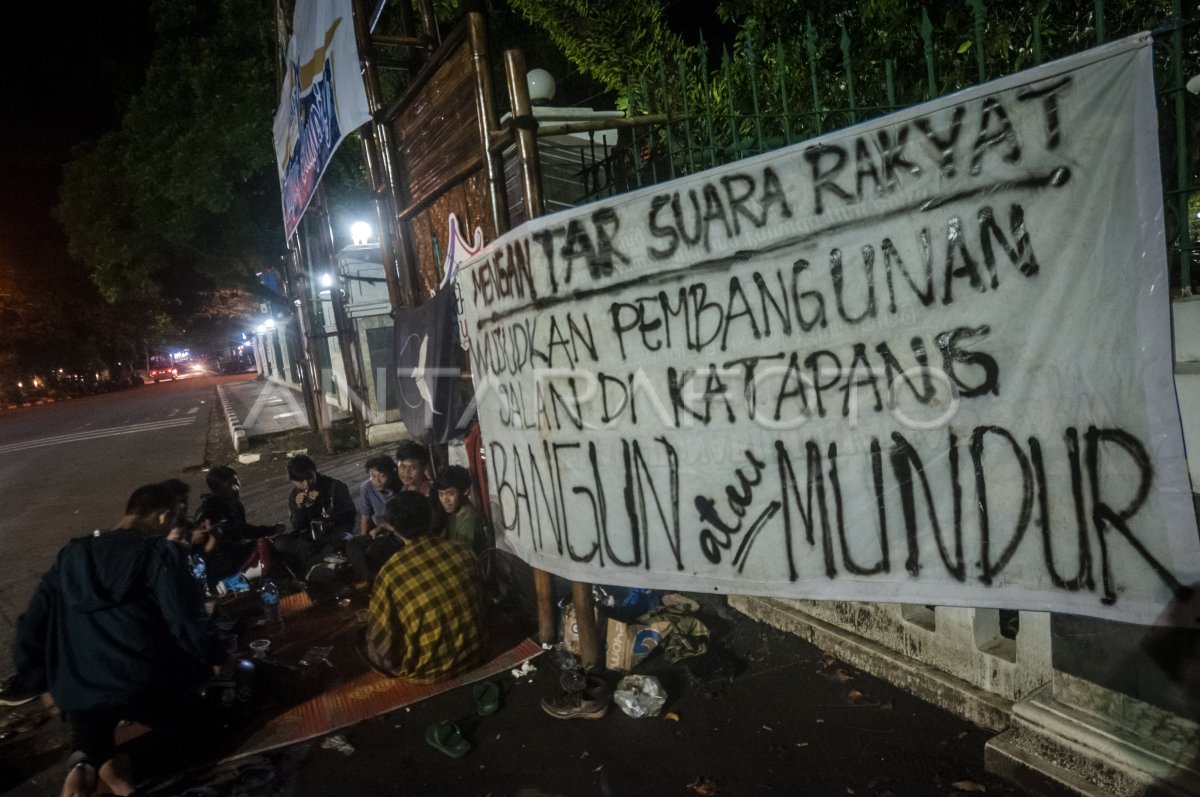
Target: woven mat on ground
[354,692]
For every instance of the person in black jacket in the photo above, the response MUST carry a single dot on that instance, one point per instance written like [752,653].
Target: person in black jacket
[117,630]
[322,516]
[234,541]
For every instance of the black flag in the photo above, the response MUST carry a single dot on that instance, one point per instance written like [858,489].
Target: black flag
[435,400]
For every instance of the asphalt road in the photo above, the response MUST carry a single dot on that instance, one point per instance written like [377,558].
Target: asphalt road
[67,468]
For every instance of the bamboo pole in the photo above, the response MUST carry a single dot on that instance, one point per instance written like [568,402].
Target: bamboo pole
[310,337]
[347,336]
[485,112]
[525,132]
[292,284]
[544,588]
[296,288]
[378,156]
[585,617]
[524,128]
[485,106]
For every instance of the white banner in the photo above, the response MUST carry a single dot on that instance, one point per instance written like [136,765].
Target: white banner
[926,359]
[322,100]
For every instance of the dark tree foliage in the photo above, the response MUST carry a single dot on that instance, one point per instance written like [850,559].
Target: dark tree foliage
[612,42]
[45,332]
[183,198]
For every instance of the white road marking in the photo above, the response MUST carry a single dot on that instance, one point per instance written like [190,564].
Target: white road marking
[174,412]
[193,410]
[96,434]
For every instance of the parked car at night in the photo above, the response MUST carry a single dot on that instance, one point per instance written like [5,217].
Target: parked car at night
[164,372]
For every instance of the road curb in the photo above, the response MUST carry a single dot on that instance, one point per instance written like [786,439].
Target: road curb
[236,432]
[35,403]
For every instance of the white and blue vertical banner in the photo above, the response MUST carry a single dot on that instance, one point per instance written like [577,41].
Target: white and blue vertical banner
[926,359]
[323,99]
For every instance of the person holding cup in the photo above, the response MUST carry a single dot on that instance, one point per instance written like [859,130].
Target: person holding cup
[321,513]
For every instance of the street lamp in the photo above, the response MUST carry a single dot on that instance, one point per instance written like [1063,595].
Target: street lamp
[260,329]
[269,323]
[541,85]
[360,233]
[326,280]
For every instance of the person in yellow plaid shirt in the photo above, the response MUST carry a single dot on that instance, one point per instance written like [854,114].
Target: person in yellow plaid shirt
[426,613]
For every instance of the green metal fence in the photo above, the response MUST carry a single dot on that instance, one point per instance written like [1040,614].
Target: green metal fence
[709,109]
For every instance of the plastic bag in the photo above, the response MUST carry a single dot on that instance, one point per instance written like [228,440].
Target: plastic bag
[640,696]
[602,597]
[625,603]
[235,583]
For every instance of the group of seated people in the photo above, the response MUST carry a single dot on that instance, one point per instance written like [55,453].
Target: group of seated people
[419,542]
[118,629]
[324,522]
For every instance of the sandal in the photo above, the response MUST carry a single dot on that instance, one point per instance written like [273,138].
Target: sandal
[487,697]
[447,738]
[82,776]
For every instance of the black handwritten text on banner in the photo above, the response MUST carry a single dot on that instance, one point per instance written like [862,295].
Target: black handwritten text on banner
[925,359]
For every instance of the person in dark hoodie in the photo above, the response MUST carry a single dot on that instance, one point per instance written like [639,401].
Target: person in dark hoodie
[117,630]
[322,516]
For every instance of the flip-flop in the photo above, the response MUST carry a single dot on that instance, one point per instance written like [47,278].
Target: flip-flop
[487,697]
[446,737]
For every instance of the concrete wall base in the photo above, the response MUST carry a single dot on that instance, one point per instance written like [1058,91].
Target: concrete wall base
[378,433]
[1187,389]
[1055,748]
[965,643]
[926,682]
[1185,320]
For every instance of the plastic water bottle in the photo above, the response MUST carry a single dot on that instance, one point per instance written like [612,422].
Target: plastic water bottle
[271,613]
[199,572]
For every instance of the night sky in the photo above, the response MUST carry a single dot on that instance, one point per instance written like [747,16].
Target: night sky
[67,72]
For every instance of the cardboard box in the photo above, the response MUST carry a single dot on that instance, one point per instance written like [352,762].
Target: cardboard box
[630,643]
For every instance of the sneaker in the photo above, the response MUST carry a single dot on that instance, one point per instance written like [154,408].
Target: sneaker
[13,695]
[588,703]
[572,681]
[574,706]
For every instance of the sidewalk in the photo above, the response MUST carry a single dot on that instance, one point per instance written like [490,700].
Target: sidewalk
[265,485]
[779,718]
[262,408]
[764,713]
